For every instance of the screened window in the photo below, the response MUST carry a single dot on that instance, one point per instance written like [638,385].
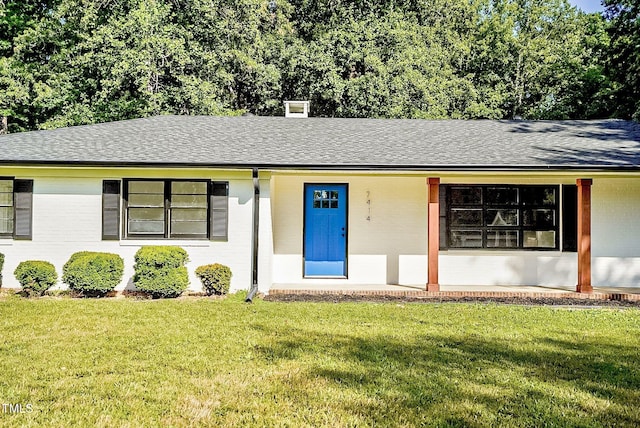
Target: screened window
[6,207]
[502,217]
[16,205]
[167,208]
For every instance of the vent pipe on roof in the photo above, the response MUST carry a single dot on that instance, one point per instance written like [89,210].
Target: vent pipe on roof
[296,109]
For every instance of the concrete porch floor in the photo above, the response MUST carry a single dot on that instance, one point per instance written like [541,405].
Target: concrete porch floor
[482,291]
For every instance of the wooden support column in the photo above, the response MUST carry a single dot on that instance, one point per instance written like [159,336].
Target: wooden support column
[584,235]
[433,232]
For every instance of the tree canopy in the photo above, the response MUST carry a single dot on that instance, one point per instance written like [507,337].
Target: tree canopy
[69,62]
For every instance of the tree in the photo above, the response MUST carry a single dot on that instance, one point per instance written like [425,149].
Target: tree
[624,54]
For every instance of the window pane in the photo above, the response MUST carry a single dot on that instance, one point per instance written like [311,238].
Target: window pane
[182,214]
[6,220]
[539,239]
[146,200]
[466,195]
[6,199]
[146,227]
[136,214]
[317,195]
[316,204]
[325,204]
[540,218]
[466,238]
[538,195]
[6,186]
[469,217]
[502,195]
[189,187]
[502,217]
[502,238]
[334,204]
[189,228]
[196,201]
[146,187]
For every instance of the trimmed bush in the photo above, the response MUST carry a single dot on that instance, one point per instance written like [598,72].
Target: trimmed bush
[160,271]
[1,266]
[93,273]
[216,278]
[36,276]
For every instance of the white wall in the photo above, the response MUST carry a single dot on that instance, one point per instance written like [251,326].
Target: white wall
[67,210]
[615,217]
[391,247]
[387,238]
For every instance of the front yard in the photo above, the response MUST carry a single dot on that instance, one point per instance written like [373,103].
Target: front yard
[201,362]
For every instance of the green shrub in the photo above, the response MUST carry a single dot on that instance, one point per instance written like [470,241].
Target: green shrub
[93,273]
[160,271]
[1,265]
[36,276]
[216,278]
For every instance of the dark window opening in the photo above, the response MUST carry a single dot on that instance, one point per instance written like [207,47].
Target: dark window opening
[175,209]
[500,217]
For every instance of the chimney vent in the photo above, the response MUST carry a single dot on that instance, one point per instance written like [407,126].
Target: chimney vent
[296,109]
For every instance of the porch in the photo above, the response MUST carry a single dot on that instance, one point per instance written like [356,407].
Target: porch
[459,291]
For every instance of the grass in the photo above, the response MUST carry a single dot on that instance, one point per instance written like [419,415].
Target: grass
[201,362]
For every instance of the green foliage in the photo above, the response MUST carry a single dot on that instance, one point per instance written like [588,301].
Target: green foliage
[36,276]
[623,60]
[70,62]
[160,271]
[216,278]
[93,273]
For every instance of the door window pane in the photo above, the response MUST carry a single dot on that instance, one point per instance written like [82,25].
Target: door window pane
[325,199]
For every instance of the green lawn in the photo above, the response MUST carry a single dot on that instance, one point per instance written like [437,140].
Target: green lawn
[195,362]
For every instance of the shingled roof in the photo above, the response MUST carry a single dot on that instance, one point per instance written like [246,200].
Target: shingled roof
[277,142]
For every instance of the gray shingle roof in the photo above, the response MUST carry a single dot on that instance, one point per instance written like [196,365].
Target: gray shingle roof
[333,143]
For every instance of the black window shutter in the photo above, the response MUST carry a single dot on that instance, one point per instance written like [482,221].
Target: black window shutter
[443,216]
[110,210]
[23,194]
[219,211]
[569,217]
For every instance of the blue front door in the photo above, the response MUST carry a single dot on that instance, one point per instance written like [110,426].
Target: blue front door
[325,230]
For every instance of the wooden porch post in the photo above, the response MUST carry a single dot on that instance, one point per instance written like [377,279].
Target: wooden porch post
[433,232]
[584,235]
